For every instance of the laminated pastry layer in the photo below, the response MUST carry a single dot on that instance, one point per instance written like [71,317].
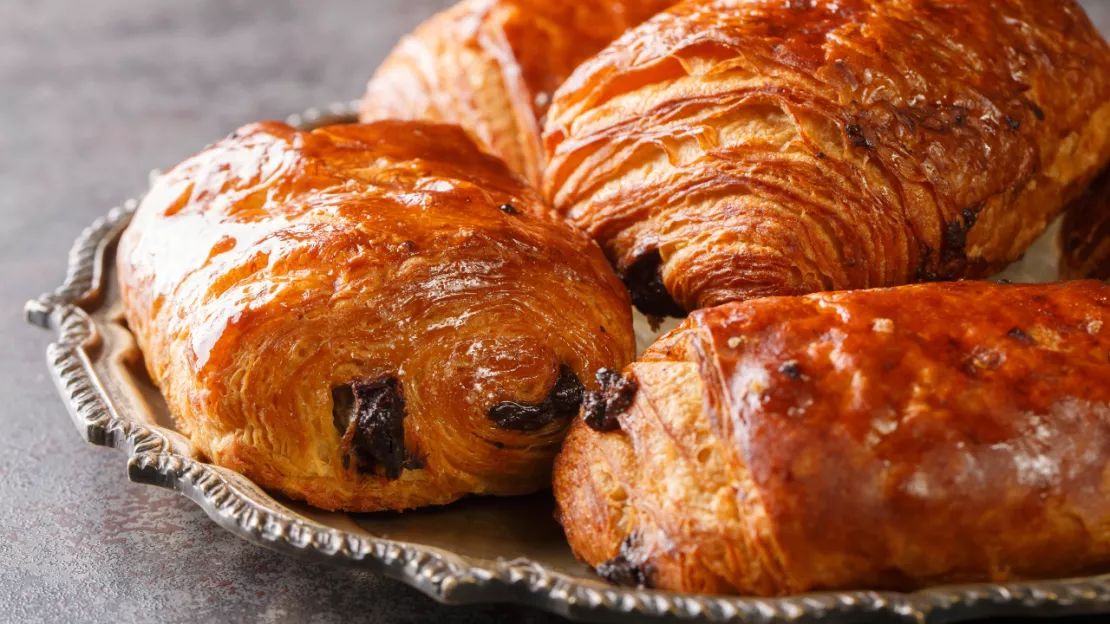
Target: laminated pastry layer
[491,66]
[368,317]
[881,439]
[732,149]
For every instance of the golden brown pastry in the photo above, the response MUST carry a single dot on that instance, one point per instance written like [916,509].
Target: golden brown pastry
[492,65]
[369,316]
[731,149]
[1085,234]
[881,439]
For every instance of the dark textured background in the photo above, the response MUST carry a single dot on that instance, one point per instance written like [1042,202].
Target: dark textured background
[92,95]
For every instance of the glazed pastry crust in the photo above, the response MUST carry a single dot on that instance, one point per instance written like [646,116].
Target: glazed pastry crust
[880,439]
[747,148]
[278,267]
[1085,233]
[492,65]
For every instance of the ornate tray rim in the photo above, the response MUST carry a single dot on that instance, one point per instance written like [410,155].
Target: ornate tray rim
[234,503]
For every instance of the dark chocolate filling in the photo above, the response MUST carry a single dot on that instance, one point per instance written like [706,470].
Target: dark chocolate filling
[954,249]
[644,280]
[857,137]
[614,397]
[1020,336]
[375,410]
[628,568]
[562,401]
[791,370]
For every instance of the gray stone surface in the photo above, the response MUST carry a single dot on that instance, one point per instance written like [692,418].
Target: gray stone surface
[92,95]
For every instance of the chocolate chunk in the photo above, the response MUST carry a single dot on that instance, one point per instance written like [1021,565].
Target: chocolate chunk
[562,401]
[628,568]
[508,209]
[857,137]
[791,370]
[593,411]
[955,241]
[566,395]
[615,396]
[1038,113]
[371,415]
[644,280]
[954,249]
[1021,336]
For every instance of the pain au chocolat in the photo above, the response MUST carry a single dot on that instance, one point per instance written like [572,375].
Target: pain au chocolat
[492,65]
[873,439]
[368,317]
[731,149]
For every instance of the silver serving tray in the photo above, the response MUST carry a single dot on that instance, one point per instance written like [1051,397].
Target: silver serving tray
[477,550]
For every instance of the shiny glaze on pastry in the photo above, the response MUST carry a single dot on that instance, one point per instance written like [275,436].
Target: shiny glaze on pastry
[368,317]
[492,65]
[1085,233]
[875,439]
[731,149]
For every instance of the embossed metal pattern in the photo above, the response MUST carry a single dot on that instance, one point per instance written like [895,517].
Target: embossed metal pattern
[160,456]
